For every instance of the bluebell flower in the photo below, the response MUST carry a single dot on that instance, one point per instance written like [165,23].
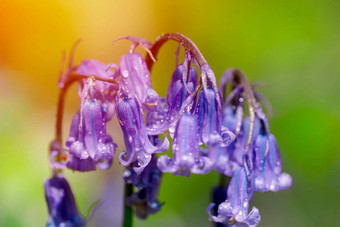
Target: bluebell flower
[267,161]
[179,91]
[253,159]
[138,146]
[190,122]
[260,150]
[209,116]
[234,211]
[61,204]
[227,159]
[136,77]
[185,150]
[88,143]
[180,99]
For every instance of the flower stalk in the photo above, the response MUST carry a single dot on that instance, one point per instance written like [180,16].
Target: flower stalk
[128,210]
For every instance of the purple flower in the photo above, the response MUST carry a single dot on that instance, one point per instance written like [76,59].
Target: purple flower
[240,148]
[179,91]
[145,199]
[88,143]
[180,99]
[136,77]
[253,159]
[103,91]
[138,146]
[61,204]
[227,159]
[183,76]
[207,73]
[222,159]
[267,163]
[234,211]
[186,150]
[209,116]
[233,117]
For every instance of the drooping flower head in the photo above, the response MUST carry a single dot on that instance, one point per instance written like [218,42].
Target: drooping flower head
[138,145]
[88,143]
[253,143]
[185,150]
[61,204]
[209,116]
[135,74]
[136,77]
[182,94]
[267,161]
[202,116]
[234,211]
[186,131]
[180,98]
[253,159]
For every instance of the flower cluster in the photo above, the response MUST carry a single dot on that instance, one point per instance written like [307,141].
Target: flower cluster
[252,160]
[207,132]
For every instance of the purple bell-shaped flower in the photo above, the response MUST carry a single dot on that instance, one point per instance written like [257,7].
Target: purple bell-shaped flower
[180,99]
[61,204]
[88,143]
[267,163]
[234,211]
[186,150]
[138,145]
[136,77]
[209,116]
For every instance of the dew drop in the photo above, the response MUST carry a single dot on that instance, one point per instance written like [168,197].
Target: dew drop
[245,203]
[125,74]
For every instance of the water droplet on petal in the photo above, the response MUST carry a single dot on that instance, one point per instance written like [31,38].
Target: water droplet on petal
[125,74]
[245,203]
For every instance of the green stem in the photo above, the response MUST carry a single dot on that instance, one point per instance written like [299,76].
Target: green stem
[128,211]
[224,180]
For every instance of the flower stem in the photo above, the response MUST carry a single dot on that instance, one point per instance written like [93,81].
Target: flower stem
[183,40]
[190,47]
[252,104]
[224,180]
[128,211]
[243,82]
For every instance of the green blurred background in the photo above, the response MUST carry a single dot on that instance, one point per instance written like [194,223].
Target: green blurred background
[292,46]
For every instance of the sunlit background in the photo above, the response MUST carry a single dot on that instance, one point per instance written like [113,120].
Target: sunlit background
[291,46]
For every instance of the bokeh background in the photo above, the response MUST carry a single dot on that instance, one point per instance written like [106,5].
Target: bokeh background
[291,46]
